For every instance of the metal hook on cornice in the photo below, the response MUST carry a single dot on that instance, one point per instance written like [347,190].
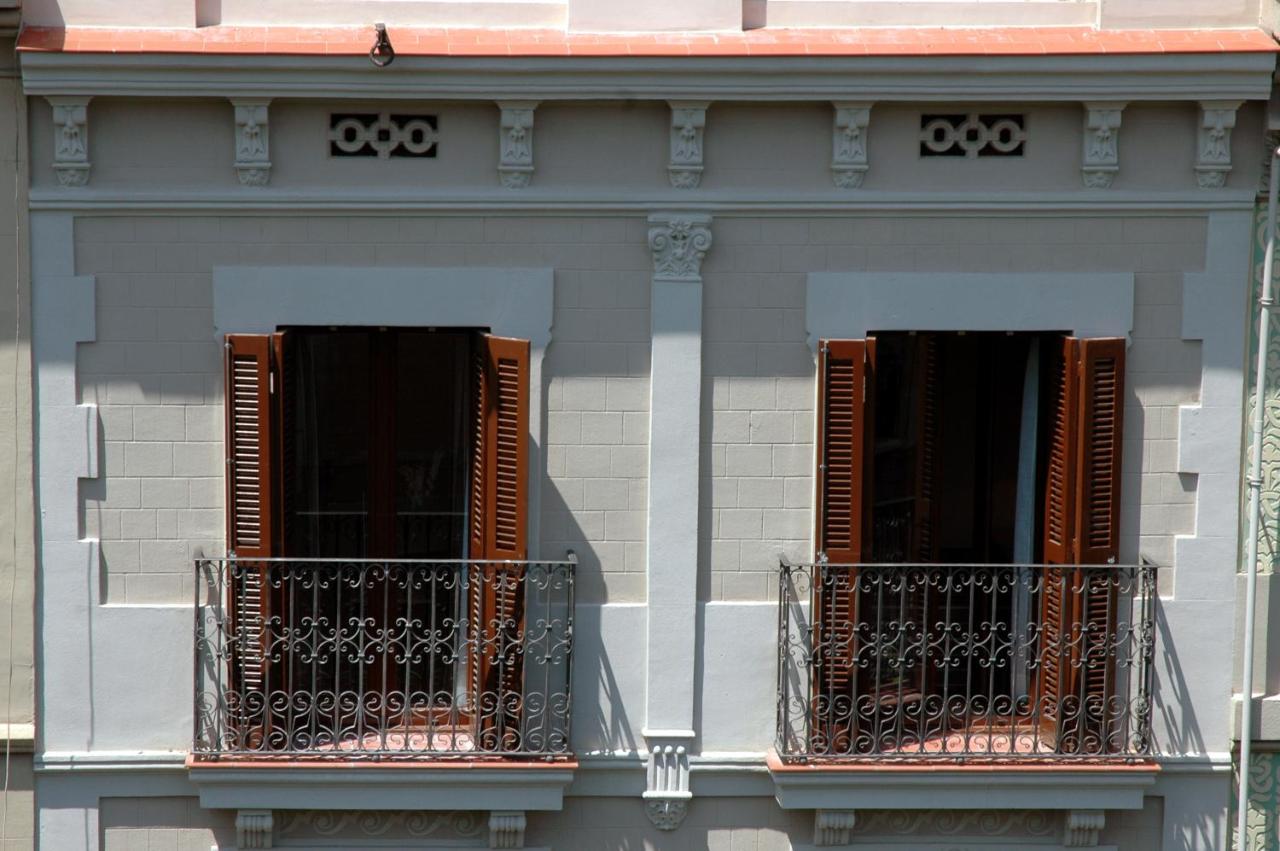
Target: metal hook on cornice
[382,53]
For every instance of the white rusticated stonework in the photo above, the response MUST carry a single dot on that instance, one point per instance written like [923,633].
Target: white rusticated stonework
[254,828]
[515,163]
[1082,827]
[833,827]
[506,829]
[666,795]
[849,144]
[253,154]
[1213,142]
[71,139]
[688,118]
[1101,144]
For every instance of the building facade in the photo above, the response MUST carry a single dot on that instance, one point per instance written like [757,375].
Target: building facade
[794,425]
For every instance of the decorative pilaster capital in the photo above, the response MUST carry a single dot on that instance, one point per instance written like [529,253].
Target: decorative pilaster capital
[849,144]
[71,139]
[515,140]
[679,242]
[1081,828]
[1270,141]
[506,829]
[1101,143]
[688,119]
[833,827]
[254,828]
[1213,142]
[666,794]
[253,154]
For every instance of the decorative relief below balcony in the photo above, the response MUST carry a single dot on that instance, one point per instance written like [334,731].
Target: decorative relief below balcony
[688,119]
[253,160]
[1101,144]
[515,165]
[1213,143]
[849,144]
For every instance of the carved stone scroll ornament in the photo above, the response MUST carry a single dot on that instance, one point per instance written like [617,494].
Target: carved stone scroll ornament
[253,160]
[1101,144]
[667,795]
[849,144]
[254,829]
[1082,828]
[71,140]
[506,829]
[833,827]
[1213,142]
[688,118]
[678,243]
[515,164]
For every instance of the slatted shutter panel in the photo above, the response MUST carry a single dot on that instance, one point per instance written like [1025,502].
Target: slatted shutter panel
[252,508]
[1081,527]
[842,435]
[498,522]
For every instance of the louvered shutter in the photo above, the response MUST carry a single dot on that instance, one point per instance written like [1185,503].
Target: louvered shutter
[498,523]
[252,508]
[1081,520]
[841,453]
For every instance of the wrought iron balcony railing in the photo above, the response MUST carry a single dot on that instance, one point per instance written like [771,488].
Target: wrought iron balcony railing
[965,663]
[340,659]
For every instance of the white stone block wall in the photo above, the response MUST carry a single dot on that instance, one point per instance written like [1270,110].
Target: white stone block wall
[155,370]
[758,493]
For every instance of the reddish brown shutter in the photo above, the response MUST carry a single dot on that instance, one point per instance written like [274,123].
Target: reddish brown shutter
[252,508]
[499,509]
[842,435]
[1081,527]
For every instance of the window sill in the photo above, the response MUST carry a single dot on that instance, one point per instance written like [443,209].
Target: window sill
[354,785]
[903,785]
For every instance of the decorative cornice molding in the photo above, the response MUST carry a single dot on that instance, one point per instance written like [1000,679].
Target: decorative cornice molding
[688,119]
[679,242]
[1081,828]
[515,140]
[253,155]
[254,829]
[833,827]
[71,139]
[849,144]
[1213,142]
[1101,143]
[506,829]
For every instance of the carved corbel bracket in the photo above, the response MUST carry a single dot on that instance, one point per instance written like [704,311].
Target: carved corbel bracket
[506,829]
[849,144]
[678,243]
[833,827]
[667,795]
[1081,828]
[71,139]
[515,140]
[1213,142]
[253,153]
[254,828]
[688,119]
[1101,144]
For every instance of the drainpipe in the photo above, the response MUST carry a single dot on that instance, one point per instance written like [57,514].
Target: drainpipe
[1255,507]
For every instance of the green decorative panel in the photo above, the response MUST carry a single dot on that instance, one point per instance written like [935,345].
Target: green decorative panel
[1263,825]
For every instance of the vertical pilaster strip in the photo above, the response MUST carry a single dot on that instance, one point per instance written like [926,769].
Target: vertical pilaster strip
[515,141]
[1213,142]
[253,152]
[678,242]
[71,139]
[1101,155]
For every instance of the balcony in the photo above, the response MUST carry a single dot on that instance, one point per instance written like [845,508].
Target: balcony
[353,661]
[949,664]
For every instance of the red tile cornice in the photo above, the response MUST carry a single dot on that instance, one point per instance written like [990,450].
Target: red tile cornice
[409,41]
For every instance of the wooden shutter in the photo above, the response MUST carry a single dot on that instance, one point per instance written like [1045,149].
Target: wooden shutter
[843,421]
[252,509]
[1081,527]
[499,510]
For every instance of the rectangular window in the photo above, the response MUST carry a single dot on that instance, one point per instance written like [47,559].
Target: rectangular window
[946,454]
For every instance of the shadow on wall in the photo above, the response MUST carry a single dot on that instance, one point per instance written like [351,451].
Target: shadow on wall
[1172,700]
